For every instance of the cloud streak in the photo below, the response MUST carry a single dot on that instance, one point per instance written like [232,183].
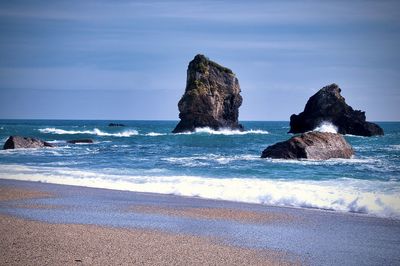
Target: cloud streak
[275,12]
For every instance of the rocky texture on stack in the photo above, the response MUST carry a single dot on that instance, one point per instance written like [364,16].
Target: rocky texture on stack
[212,97]
[311,145]
[327,105]
[17,142]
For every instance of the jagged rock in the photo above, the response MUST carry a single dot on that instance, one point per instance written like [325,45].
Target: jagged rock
[17,142]
[75,141]
[311,145]
[327,105]
[212,97]
[115,125]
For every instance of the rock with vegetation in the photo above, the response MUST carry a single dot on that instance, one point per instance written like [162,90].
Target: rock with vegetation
[212,97]
[76,141]
[311,145]
[328,105]
[18,142]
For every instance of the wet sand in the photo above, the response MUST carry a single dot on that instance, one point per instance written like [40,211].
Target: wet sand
[46,224]
[26,242]
[214,213]
[14,193]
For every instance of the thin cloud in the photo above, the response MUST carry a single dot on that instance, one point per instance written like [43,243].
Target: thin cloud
[267,12]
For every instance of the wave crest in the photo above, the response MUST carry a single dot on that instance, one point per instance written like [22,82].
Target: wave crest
[155,134]
[95,131]
[378,198]
[224,131]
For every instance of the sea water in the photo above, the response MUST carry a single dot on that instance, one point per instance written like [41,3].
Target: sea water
[145,156]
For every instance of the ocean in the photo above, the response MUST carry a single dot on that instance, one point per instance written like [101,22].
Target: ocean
[145,156]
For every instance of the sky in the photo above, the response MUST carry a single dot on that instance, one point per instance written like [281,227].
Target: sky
[127,60]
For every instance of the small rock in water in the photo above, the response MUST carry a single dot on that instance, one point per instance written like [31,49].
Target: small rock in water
[18,142]
[115,125]
[75,141]
[311,145]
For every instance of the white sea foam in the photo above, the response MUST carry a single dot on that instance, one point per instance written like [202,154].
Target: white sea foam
[224,131]
[155,134]
[96,131]
[378,198]
[356,136]
[393,147]
[334,161]
[326,127]
[205,160]
[56,141]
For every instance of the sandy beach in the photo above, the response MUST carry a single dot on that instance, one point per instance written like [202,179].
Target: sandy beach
[33,243]
[56,225]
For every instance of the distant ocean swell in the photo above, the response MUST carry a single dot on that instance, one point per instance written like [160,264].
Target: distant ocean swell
[96,131]
[373,197]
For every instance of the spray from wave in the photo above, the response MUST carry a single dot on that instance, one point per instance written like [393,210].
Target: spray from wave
[96,131]
[327,127]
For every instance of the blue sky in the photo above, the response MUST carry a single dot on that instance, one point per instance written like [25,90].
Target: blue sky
[128,59]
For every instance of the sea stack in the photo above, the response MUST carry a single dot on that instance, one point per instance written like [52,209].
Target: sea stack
[311,145]
[212,97]
[328,105]
[17,142]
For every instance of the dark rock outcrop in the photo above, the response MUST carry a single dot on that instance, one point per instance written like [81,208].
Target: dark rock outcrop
[17,142]
[310,145]
[115,125]
[327,105]
[75,141]
[212,97]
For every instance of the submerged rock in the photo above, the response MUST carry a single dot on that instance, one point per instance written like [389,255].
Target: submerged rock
[311,145]
[115,125]
[212,97]
[75,141]
[327,105]
[17,142]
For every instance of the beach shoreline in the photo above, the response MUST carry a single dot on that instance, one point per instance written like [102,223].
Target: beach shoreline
[26,241]
[259,234]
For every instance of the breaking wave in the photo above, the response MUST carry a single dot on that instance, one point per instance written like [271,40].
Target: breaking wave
[224,131]
[155,134]
[96,131]
[373,197]
[327,127]
[132,132]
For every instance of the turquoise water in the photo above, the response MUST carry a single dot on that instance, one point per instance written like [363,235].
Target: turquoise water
[145,156]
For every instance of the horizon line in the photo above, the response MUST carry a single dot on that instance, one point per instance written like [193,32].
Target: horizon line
[166,120]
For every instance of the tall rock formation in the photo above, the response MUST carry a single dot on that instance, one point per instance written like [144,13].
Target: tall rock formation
[311,145]
[212,97]
[327,105]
